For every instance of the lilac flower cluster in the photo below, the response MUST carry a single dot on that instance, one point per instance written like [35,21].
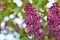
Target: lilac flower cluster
[32,21]
[53,19]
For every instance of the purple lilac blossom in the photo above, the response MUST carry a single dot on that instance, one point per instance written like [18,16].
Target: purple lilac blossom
[32,21]
[53,19]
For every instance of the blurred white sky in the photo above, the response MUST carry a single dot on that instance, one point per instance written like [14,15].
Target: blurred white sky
[10,36]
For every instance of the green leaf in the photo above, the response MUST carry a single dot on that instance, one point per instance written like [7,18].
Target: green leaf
[7,12]
[23,14]
[4,0]
[22,33]
[45,12]
[42,3]
[25,38]
[35,2]
[33,38]
[1,18]
[16,9]
[46,38]
[52,38]
[45,27]
[58,1]
[11,5]
[45,23]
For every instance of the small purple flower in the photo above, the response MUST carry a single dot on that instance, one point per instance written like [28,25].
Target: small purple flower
[4,8]
[1,3]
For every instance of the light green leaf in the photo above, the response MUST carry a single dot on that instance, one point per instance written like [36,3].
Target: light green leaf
[33,38]
[58,1]
[25,38]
